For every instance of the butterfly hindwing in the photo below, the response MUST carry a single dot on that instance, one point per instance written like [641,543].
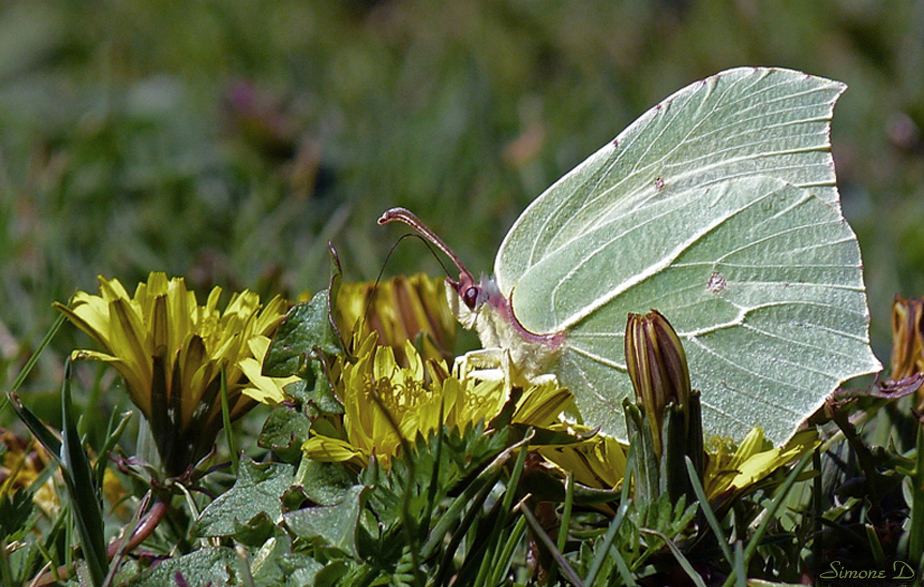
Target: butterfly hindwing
[741,122]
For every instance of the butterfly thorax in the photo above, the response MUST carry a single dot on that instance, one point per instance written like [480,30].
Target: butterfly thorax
[484,308]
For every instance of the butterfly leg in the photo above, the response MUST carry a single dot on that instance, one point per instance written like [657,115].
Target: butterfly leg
[486,364]
[495,364]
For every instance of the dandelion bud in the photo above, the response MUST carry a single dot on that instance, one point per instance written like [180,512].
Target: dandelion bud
[907,337]
[665,424]
[908,340]
[657,366]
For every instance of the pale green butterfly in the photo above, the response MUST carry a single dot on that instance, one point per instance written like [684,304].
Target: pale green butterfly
[719,208]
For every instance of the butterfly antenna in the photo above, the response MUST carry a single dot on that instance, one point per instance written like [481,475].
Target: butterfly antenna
[424,241]
[335,274]
[378,279]
[406,216]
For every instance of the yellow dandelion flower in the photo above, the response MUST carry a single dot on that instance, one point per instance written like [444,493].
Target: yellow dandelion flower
[385,402]
[907,337]
[598,462]
[21,464]
[171,351]
[733,470]
[400,309]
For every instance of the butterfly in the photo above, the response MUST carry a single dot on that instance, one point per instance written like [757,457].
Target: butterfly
[719,208]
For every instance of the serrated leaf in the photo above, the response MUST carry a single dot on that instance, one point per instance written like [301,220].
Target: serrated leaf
[314,393]
[259,489]
[305,327]
[284,431]
[256,531]
[204,566]
[324,483]
[300,569]
[332,574]
[334,525]
[265,563]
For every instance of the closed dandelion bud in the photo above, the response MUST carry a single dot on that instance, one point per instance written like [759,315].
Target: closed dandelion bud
[907,337]
[666,422]
[908,340]
[657,367]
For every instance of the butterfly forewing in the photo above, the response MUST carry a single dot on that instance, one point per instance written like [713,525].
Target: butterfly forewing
[747,121]
[718,208]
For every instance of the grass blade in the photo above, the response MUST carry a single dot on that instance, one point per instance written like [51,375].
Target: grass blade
[39,429]
[700,492]
[505,560]
[565,524]
[473,495]
[113,433]
[739,568]
[769,517]
[78,477]
[682,560]
[494,556]
[536,527]
[27,368]
[916,521]
[604,551]
[226,422]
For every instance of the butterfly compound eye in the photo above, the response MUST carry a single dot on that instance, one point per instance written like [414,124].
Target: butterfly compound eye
[470,296]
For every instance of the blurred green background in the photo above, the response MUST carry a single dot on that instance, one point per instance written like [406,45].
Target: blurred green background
[228,141]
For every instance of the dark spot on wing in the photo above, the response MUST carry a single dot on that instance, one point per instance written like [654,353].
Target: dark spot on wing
[716,283]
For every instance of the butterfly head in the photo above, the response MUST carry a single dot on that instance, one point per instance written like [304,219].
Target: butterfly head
[470,300]
[481,305]
[474,294]
[467,297]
